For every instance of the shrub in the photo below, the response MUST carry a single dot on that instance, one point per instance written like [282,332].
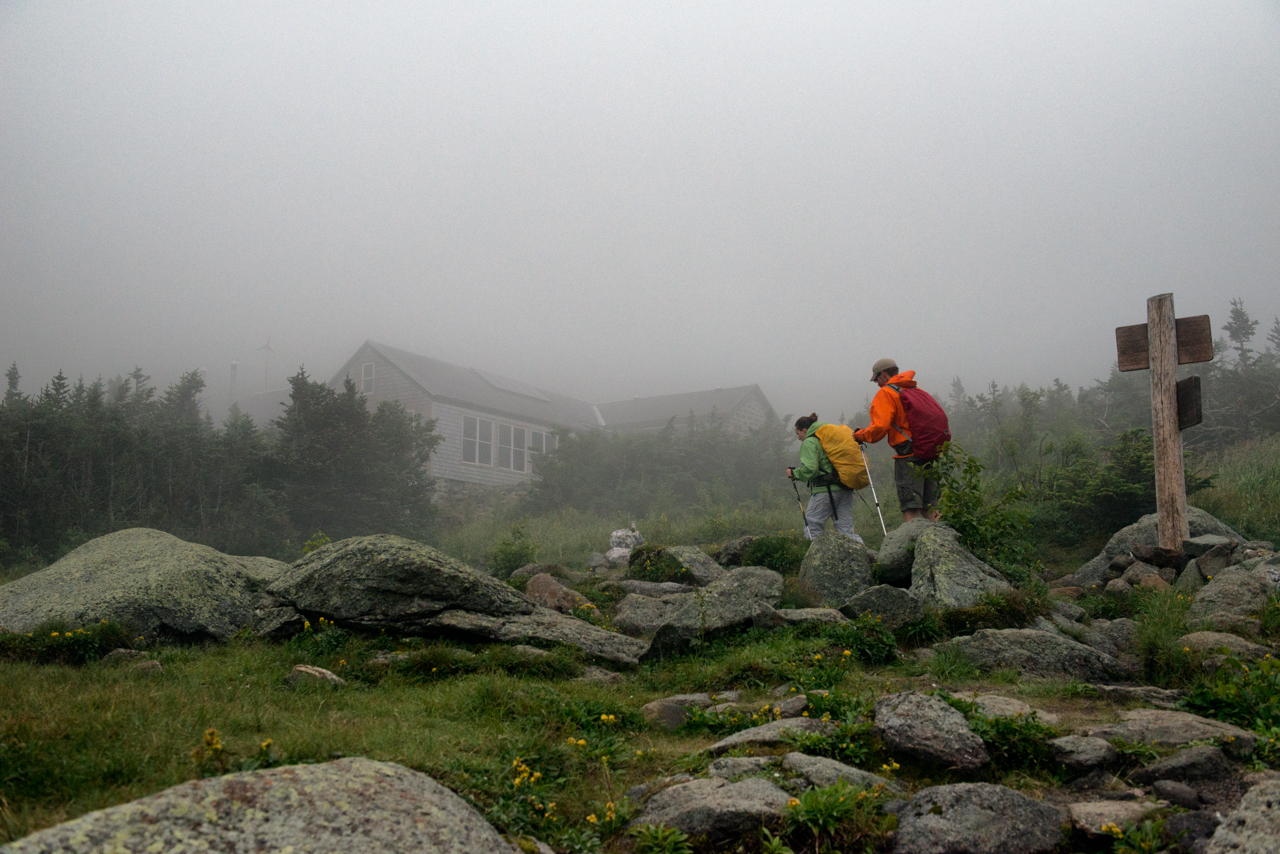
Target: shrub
[1015,743]
[514,550]
[1010,609]
[990,528]
[950,664]
[861,639]
[655,839]
[1241,694]
[921,632]
[839,817]
[781,553]
[650,563]
[1162,620]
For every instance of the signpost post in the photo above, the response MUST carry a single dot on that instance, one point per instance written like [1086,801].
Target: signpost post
[1161,344]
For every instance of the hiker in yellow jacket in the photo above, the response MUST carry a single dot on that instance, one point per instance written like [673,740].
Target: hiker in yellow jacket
[828,497]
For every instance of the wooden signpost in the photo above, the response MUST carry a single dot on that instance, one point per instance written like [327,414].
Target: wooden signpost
[1161,344]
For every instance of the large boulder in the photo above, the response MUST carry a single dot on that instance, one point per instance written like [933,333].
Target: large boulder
[894,606]
[715,809]
[387,582]
[353,804]
[927,728]
[834,570]
[734,551]
[1254,826]
[735,601]
[945,575]
[1230,598]
[1035,653]
[1145,531]
[898,552]
[153,582]
[977,818]
[1175,729]
[820,771]
[640,616]
[698,566]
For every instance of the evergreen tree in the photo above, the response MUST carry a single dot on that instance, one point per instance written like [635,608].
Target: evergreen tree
[1240,329]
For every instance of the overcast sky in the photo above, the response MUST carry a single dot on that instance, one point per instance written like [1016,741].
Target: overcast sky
[611,199]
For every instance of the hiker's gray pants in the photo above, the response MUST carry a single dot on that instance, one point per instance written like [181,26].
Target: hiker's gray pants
[819,511]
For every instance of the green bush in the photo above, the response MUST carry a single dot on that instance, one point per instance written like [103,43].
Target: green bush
[650,563]
[781,553]
[1247,695]
[839,817]
[921,632]
[513,551]
[991,528]
[1012,609]
[950,664]
[1015,743]
[1162,621]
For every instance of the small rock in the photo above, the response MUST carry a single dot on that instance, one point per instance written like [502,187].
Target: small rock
[1136,574]
[118,655]
[1070,610]
[1178,794]
[799,616]
[626,538]
[308,673]
[550,593]
[640,792]
[1197,546]
[1218,641]
[618,557]
[897,552]
[1189,831]
[530,651]
[591,673]
[771,734]
[927,728]
[664,715]
[893,605]
[1091,816]
[732,552]
[654,589]
[1160,698]
[791,707]
[730,767]
[714,808]
[997,706]
[1071,593]
[820,771]
[1035,653]
[640,616]
[1083,753]
[1118,589]
[1195,763]
[946,575]
[150,668]
[1230,596]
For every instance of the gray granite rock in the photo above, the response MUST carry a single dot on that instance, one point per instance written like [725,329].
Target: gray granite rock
[977,818]
[1254,826]
[1083,753]
[928,729]
[1143,532]
[1035,653]
[1176,729]
[1205,762]
[945,575]
[772,734]
[640,616]
[893,605]
[1177,793]
[834,570]
[897,552]
[715,809]
[737,600]
[353,804]
[820,771]
[730,767]
[1230,597]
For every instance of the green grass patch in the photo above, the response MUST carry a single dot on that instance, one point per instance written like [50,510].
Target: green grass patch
[1246,488]
[1162,619]
[1011,609]
[781,552]
[54,642]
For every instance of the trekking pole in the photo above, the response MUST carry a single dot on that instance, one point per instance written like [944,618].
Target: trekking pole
[871,483]
[800,504]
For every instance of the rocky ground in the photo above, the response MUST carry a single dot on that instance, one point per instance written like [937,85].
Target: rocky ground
[836,756]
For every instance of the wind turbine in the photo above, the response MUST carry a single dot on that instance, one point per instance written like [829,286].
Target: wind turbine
[266,363]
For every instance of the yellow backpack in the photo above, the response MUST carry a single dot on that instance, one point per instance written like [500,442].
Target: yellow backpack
[845,454]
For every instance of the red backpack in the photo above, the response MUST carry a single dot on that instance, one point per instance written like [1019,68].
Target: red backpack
[927,422]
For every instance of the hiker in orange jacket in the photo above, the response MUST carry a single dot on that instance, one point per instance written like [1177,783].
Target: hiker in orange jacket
[917,496]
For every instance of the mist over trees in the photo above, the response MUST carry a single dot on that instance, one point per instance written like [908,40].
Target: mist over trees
[80,460]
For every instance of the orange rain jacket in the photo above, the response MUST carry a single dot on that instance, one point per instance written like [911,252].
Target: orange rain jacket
[888,418]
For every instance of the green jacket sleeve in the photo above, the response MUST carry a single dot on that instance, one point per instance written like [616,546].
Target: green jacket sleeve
[810,458]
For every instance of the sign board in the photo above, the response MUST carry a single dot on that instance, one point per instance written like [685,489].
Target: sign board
[1195,343]
[1190,412]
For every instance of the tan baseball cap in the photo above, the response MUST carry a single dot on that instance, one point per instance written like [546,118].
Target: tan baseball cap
[883,365]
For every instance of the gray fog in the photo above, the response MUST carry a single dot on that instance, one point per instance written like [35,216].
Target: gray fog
[623,199]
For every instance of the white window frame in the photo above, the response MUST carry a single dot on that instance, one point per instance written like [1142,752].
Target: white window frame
[512,448]
[479,445]
[366,378]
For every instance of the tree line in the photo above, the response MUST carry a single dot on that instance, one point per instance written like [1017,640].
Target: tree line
[78,460]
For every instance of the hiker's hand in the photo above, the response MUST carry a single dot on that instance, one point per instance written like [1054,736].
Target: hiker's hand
[791,474]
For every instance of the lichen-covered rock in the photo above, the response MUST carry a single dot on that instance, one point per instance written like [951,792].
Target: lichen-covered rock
[1216,642]
[626,538]
[1176,729]
[771,734]
[1254,826]
[834,570]
[1082,752]
[1143,532]
[977,818]
[1035,653]
[387,582]
[1000,706]
[654,589]
[945,575]
[733,551]
[735,601]
[800,616]
[151,581]
[898,552]
[550,593]
[640,616]
[353,804]
[928,728]
[1204,762]
[701,568]
[714,808]
[893,605]
[820,771]
[1092,816]
[1230,597]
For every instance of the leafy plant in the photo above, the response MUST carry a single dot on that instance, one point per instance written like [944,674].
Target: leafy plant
[839,816]
[514,550]
[1242,694]
[1162,621]
[651,563]
[991,528]
[53,642]
[1143,838]
[865,638]
[1008,609]
[318,539]
[781,553]
[656,839]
